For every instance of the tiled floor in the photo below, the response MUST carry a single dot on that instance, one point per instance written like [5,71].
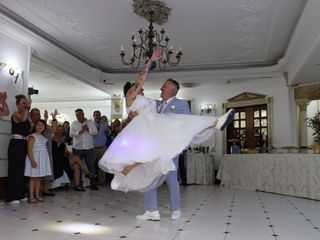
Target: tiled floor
[209,212]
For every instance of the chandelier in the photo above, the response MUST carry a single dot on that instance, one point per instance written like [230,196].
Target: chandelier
[148,41]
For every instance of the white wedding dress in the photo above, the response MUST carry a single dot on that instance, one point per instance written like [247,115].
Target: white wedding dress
[152,139]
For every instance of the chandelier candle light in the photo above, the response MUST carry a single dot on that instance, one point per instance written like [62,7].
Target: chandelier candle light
[150,39]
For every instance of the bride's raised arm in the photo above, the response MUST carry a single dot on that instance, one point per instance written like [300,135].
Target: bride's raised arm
[132,93]
[135,89]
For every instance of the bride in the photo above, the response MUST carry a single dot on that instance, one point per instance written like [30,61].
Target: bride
[141,155]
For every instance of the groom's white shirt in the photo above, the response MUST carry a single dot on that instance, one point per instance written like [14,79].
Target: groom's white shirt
[167,103]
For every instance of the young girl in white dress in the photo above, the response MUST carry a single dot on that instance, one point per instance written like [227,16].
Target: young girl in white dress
[142,153]
[37,160]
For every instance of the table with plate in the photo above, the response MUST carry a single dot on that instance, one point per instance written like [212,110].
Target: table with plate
[199,168]
[288,174]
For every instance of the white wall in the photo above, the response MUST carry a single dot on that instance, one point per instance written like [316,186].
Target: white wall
[17,55]
[68,108]
[274,87]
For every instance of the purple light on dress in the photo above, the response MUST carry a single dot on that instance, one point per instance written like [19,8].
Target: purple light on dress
[124,142]
[130,144]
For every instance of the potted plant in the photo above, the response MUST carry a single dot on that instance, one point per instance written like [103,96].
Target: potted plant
[314,123]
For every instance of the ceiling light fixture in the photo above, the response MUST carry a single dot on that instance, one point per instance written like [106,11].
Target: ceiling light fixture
[155,12]
[190,85]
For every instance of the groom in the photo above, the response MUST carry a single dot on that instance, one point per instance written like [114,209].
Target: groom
[169,104]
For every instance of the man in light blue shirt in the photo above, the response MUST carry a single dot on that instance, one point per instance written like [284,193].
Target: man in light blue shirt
[99,142]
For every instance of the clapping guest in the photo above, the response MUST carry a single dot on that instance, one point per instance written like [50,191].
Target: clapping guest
[4,110]
[17,151]
[54,121]
[82,131]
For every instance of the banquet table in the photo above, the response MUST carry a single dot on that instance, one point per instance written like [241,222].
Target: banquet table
[288,174]
[199,168]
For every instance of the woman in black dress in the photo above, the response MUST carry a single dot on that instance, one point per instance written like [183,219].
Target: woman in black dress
[17,150]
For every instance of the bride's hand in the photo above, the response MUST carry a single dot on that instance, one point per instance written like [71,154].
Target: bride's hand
[157,54]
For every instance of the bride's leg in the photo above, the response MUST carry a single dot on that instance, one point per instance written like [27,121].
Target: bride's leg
[119,179]
[126,169]
[222,122]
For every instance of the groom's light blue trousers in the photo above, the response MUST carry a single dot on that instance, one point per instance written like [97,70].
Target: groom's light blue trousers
[151,196]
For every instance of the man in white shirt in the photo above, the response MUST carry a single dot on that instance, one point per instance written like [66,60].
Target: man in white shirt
[82,131]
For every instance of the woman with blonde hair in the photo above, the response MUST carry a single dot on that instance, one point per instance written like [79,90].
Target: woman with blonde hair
[17,151]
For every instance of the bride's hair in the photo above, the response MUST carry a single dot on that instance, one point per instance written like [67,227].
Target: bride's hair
[126,87]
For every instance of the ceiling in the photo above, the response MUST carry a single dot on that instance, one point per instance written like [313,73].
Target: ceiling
[214,35]
[54,84]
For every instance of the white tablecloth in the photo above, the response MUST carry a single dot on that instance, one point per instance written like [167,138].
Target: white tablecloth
[289,174]
[199,168]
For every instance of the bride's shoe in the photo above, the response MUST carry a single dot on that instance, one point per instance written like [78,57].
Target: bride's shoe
[117,181]
[225,119]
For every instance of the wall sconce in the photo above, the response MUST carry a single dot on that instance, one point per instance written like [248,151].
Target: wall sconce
[207,108]
[15,73]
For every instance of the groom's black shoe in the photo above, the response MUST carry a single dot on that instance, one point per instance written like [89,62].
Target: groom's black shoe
[225,119]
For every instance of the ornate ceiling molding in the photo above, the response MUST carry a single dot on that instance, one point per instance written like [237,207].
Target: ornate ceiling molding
[250,5]
[29,26]
[70,21]
[235,61]
[253,25]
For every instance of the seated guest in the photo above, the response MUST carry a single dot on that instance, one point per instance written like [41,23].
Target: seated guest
[63,160]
